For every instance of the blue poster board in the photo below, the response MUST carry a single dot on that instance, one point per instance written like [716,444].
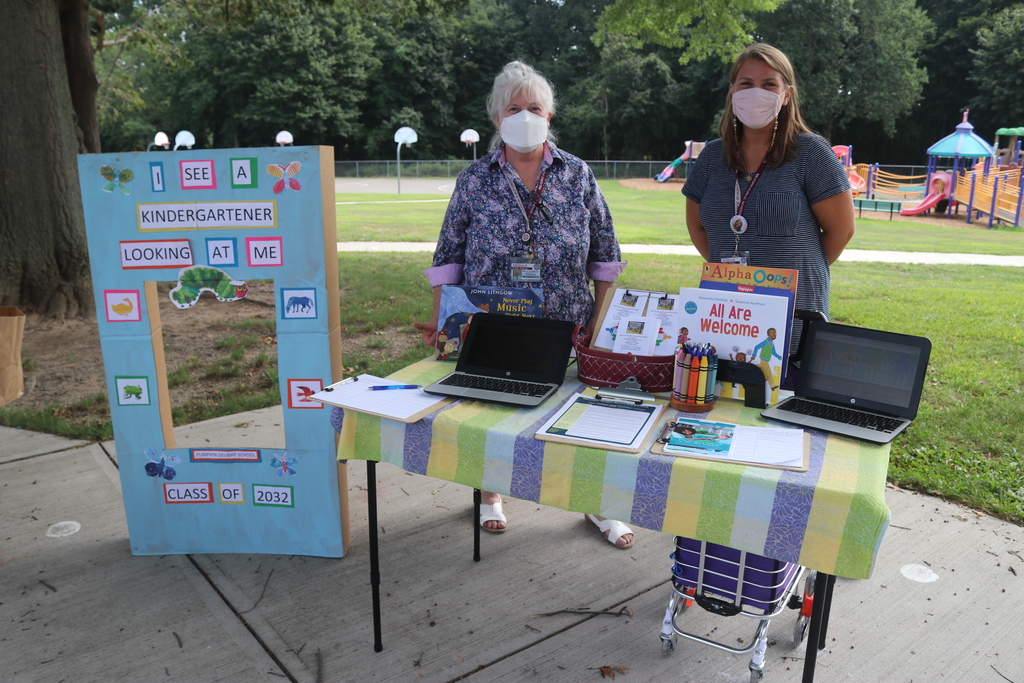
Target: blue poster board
[213,219]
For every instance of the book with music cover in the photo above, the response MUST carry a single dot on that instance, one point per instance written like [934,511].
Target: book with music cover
[460,302]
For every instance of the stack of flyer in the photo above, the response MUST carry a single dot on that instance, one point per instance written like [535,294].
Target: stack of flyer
[639,322]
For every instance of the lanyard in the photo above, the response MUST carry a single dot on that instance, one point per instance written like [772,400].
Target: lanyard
[535,202]
[741,203]
[738,224]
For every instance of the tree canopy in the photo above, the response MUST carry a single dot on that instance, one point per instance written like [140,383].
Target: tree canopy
[635,79]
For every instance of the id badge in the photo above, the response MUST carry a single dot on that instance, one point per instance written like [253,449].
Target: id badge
[740,258]
[526,269]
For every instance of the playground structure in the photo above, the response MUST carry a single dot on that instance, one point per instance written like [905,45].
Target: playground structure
[857,182]
[974,181]
[692,151]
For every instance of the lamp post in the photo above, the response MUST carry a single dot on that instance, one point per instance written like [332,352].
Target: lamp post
[160,139]
[403,136]
[184,139]
[470,136]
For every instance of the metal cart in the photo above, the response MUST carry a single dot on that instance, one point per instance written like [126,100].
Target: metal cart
[727,582]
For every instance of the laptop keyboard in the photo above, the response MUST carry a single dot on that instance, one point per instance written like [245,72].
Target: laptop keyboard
[505,386]
[855,418]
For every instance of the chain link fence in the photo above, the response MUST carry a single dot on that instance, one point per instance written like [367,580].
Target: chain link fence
[604,170]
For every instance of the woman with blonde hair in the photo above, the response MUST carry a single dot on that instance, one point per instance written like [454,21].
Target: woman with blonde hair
[770,192]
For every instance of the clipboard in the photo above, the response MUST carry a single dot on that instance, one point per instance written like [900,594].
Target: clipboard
[405,405]
[650,411]
[659,449]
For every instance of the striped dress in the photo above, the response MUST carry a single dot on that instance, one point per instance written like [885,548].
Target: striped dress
[782,232]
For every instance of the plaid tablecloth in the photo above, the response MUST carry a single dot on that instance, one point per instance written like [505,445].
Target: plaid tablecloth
[831,518]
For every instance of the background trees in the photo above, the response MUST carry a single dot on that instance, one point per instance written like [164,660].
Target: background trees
[635,78]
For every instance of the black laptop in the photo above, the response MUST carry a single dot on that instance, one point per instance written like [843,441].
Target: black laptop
[509,359]
[856,382]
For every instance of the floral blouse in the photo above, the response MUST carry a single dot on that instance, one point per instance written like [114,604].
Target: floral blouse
[483,232]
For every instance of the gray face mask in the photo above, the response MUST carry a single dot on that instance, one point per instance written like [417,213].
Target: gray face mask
[524,131]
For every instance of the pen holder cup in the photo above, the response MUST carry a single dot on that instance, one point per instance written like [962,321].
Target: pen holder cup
[606,369]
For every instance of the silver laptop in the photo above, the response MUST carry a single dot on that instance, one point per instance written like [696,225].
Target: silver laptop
[509,359]
[856,382]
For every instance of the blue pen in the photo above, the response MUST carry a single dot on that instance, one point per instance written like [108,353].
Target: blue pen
[384,387]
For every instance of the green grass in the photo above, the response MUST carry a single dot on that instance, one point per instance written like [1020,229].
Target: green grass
[645,217]
[956,238]
[379,290]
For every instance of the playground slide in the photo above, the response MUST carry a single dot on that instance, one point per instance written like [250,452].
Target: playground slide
[929,201]
[857,184]
[938,189]
[670,170]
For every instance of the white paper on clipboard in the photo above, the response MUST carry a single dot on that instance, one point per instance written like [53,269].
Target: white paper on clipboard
[608,424]
[398,404]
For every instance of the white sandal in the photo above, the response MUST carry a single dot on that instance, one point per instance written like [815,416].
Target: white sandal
[612,529]
[492,513]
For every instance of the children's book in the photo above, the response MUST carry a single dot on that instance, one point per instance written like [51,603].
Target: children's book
[460,302]
[748,328]
[752,280]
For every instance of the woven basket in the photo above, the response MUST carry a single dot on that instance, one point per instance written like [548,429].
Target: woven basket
[607,369]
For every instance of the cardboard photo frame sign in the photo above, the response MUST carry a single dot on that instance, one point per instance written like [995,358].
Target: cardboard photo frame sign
[188,216]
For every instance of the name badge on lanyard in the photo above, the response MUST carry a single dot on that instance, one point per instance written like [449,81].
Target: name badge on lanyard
[526,267]
[738,224]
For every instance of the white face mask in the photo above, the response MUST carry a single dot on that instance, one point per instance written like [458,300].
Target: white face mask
[756,108]
[524,131]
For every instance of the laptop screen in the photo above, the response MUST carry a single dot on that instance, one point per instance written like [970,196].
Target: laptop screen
[531,349]
[870,369]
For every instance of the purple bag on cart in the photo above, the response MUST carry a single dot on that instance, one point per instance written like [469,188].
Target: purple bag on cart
[731,578]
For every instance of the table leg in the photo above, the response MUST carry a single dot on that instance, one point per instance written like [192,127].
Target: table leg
[476,525]
[371,514]
[818,627]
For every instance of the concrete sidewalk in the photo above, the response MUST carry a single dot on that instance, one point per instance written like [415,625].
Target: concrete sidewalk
[945,601]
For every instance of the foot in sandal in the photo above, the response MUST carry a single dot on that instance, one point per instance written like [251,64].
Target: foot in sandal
[491,517]
[617,533]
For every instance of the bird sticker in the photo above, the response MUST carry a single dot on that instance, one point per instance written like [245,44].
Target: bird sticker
[285,173]
[116,180]
[195,280]
[123,308]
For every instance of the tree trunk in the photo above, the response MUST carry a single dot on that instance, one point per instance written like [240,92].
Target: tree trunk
[78,60]
[44,259]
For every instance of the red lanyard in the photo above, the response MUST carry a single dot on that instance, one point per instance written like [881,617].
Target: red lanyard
[741,203]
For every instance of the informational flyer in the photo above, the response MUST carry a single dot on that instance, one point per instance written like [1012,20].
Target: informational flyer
[625,303]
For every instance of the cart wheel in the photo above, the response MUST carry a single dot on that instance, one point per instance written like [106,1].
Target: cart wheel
[806,605]
[800,630]
[756,676]
[668,646]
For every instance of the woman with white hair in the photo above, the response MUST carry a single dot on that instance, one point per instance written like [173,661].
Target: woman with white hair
[529,215]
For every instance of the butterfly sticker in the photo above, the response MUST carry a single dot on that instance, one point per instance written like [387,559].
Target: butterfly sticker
[161,467]
[284,464]
[285,173]
[116,179]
